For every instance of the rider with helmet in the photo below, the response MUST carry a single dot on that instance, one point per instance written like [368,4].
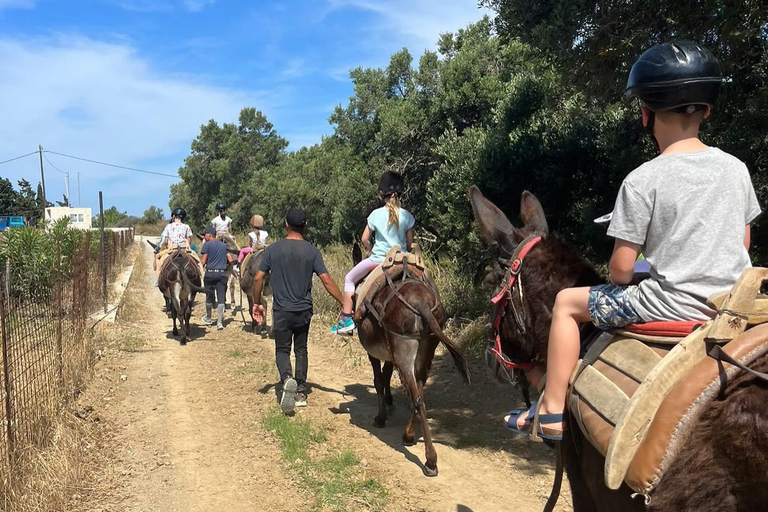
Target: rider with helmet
[389,225]
[688,210]
[258,238]
[223,226]
[175,234]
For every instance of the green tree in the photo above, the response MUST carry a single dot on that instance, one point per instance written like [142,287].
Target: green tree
[223,160]
[152,215]
[112,217]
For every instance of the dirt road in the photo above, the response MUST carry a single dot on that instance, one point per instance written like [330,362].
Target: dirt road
[186,425]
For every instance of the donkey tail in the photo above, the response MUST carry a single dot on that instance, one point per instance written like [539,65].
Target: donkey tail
[458,358]
[187,282]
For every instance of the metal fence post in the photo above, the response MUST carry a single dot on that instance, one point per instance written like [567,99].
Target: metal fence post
[6,381]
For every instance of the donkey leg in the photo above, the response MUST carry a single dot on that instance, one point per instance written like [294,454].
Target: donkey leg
[174,316]
[378,383]
[387,376]
[420,413]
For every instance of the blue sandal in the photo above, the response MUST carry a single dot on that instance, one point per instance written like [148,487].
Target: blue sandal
[550,434]
[514,415]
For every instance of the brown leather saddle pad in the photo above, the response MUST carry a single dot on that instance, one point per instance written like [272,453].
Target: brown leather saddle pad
[396,265]
[635,395]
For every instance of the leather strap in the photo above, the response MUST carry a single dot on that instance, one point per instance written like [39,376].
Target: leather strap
[717,353]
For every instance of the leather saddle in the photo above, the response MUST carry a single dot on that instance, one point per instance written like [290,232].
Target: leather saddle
[637,391]
[397,265]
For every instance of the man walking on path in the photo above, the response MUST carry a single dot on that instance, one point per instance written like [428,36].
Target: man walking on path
[291,263]
[215,258]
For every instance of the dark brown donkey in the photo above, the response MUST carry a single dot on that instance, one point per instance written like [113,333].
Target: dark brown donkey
[179,282]
[723,466]
[406,334]
[246,285]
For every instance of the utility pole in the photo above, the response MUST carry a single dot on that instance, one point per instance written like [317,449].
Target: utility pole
[42,172]
[78,189]
[66,183]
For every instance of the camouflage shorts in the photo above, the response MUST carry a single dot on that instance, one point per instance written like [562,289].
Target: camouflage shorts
[610,306]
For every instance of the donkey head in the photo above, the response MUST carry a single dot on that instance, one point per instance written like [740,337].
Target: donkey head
[520,341]
[550,266]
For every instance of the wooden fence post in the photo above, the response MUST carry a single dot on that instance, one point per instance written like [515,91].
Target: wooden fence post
[103,255]
[59,317]
[6,382]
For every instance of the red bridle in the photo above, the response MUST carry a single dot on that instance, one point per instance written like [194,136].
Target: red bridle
[502,298]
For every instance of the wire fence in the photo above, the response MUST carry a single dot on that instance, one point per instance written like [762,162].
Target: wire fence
[47,347]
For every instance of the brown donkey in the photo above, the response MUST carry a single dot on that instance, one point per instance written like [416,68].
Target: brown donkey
[247,273]
[403,331]
[179,282]
[723,466]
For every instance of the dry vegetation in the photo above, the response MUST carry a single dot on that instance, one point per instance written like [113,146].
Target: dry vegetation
[58,475]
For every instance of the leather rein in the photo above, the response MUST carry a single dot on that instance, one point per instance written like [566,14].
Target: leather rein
[394,289]
[513,283]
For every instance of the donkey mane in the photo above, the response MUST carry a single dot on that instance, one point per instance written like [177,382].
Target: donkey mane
[551,266]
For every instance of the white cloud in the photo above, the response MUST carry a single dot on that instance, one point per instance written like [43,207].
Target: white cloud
[16,4]
[197,5]
[105,102]
[416,25]
[144,5]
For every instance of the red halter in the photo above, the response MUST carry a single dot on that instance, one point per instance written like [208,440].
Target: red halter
[501,300]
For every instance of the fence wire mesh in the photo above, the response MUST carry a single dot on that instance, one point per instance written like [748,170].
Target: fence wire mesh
[47,348]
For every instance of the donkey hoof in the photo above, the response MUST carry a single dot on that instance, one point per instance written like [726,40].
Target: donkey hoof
[429,471]
[183,342]
[409,440]
[175,332]
[378,422]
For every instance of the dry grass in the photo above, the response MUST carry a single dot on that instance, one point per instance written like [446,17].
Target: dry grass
[133,306]
[57,476]
[150,229]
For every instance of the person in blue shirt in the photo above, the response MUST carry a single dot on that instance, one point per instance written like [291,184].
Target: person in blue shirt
[389,225]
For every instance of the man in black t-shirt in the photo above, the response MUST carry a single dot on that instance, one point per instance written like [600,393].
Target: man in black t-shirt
[291,263]
[215,258]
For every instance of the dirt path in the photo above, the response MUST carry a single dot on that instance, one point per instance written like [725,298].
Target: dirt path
[186,429]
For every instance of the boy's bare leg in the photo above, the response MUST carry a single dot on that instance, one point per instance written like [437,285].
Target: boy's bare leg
[563,352]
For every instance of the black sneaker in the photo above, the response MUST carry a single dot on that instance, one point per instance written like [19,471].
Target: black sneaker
[300,399]
[288,400]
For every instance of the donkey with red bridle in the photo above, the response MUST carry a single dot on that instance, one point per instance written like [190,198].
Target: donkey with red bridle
[723,463]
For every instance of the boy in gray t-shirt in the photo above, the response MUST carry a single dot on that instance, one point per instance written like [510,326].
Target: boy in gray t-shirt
[688,210]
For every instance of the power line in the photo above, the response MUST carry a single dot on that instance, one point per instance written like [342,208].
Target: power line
[17,158]
[52,165]
[110,165]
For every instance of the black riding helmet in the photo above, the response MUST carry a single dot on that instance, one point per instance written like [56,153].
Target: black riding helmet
[391,183]
[669,76]
[180,213]
[220,207]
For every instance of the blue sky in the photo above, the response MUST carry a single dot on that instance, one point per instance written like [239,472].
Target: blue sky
[131,81]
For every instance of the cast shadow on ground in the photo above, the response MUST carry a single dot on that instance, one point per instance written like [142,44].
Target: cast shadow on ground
[463,417]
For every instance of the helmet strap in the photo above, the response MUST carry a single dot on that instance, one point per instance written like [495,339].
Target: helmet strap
[649,128]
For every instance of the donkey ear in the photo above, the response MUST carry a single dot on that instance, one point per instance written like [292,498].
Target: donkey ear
[532,214]
[494,226]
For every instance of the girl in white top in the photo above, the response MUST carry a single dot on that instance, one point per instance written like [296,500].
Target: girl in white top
[258,237]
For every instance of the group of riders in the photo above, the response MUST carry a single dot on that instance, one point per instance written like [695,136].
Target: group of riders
[677,85]
[387,226]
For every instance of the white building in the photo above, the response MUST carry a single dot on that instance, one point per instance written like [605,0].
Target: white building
[78,217]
